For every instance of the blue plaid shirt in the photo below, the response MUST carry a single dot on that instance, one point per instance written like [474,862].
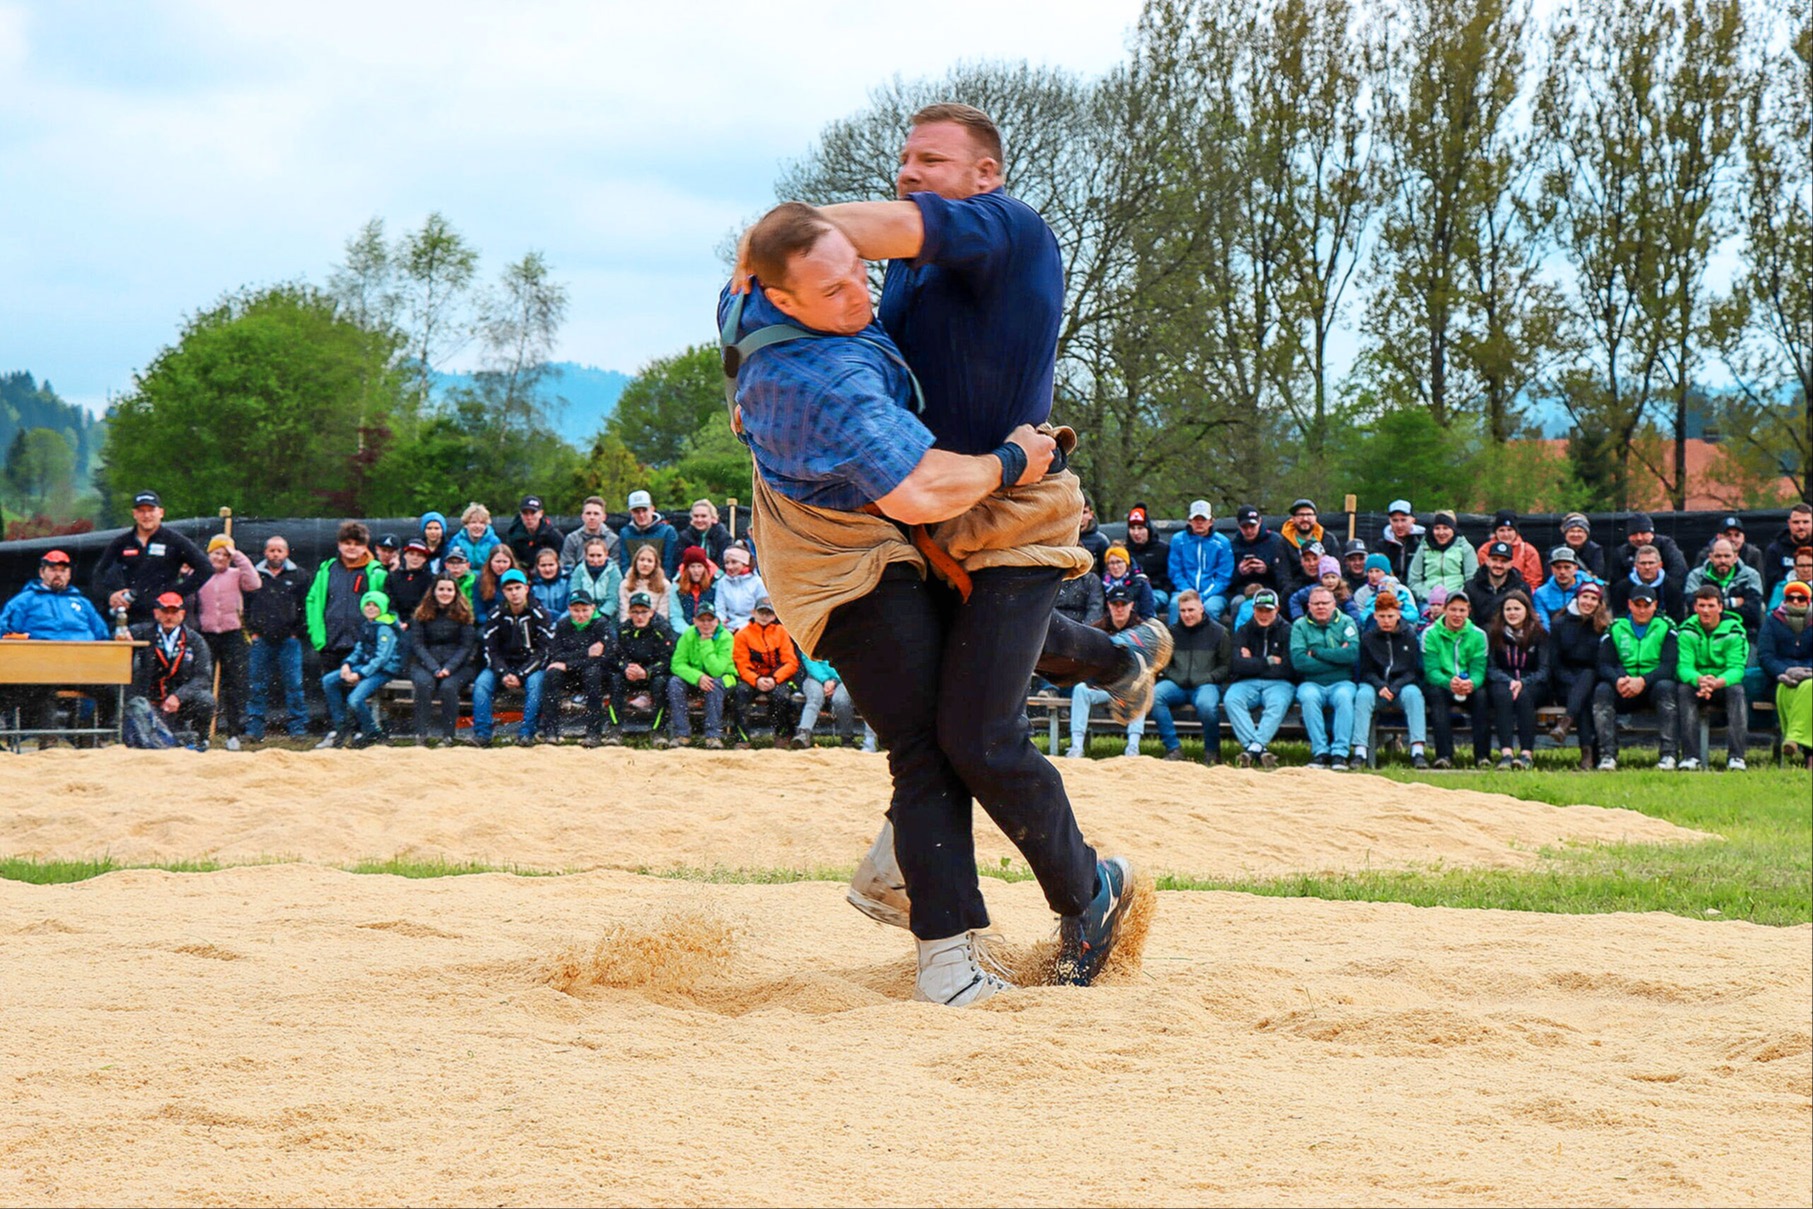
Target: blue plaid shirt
[829,420]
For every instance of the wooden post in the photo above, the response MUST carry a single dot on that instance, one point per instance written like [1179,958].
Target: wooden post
[733,518]
[1348,503]
[226,522]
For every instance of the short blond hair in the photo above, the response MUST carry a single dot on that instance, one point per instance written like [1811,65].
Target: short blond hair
[475,512]
[981,127]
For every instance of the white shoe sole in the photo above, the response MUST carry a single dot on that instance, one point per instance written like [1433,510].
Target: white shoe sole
[878,889]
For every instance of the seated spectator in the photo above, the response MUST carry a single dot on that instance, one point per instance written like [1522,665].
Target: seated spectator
[1151,555]
[1083,599]
[388,550]
[146,561]
[1495,579]
[516,638]
[1648,571]
[1120,574]
[1575,632]
[334,602]
[1565,581]
[822,684]
[1325,645]
[1399,542]
[1740,587]
[433,536]
[443,657]
[456,568]
[1516,679]
[1201,658]
[1525,558]
[646,528]
[1261,557]
[274,623]
[48,610]
[172,671]
[487,592]
[697,574]
[645,652]
[1787,662]
[1306,571]
[645,576]
[704,531]
[408,586]
[1713,653]
[1262,675]
[1442,559]
[1454,677]
[1122,615]
[1303,529]
[220,603]
[1803,573]
[739,588]
[1434,608]
[582,654]
[1353,564]
[1640,531]
[532,532]
[1328,575]
[767,667]
[1092,539]
[1732,530]
[1577,535]
[591,525]
[1379,578]
[1388,675]
[1780,555]
[476,538]
[1637,669]
[350,687]
[704,670]
[597,574]
[1200,560]
[548,585]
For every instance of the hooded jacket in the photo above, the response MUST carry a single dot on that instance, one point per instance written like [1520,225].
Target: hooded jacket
[695,657]
[1399,553]
[1778,558]
[516,644]
[572,550]
[650,647]
[1153,558]
[1526,560]
[1270,548]
[527,545]
[1722,651]
[765,650]
[572,645]
[1389,660]
[1447,653]
[1669,602]
[220,600]
[434,551]
[1507,662]
[1144,604]
[603,585]
[477,551]
[1204,563]
[1487,598]
[1081,599]
[737,595]
[1200,654]
[659,534]
[336,589]
[64,616]
[1551,598]
[1624,558]
[1267,651]
[379,651]
[1296,541]
[551,594]
[1096,542]
[1451,566]
[1781,648]
[714,541]
[1740,583]
[1324,653]
[1591,555]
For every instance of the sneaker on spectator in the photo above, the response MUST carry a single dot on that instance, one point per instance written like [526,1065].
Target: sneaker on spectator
[232,742]
[713,744]
[1524,763]
[612,738]
[1267,760]
[1130,696]
[1690,764]
[878,888]
[1442,764]
[329,740]
[1736,764]
[802,739]
[1340,765]
[1132,748]
[1665,764]
[951,972]
[1610,764]
[1176,753]
[1504,763]
[1420,762]
[525,740]
[1075,752]
[1086,940]
[1244,760]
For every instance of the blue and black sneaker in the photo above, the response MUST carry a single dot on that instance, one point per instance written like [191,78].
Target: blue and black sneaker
[1084,941]
[1130,694]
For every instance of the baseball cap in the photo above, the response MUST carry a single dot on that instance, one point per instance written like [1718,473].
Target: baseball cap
[1643,592]
[1593,586]
[704,607]
[1504,516]
[513,576]
[530,503]
[1267,599]
[1354,546]
[641,598]
[765,602]
[1303,503]
[581,596]
[1499,550]
[641,499]
[1399,506]
[416,544]
[456,555]
[170,600]
[147,497]
[1314,548]
[1247,514]
[388,542]
[56,557]
[1201,508]
[1639,523]
[1136,515]
[1732,522]
[1563,554]
[1120,594]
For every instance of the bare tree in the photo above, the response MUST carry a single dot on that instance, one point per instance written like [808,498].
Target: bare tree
[364,284]
[518,321]
[436,267]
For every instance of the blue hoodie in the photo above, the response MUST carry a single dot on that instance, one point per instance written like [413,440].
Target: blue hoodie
[66,616]
[476,551]
[1204,563]
[434,554]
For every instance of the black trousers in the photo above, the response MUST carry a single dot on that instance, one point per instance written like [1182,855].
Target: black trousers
[1442,703]
[1513,720]
[592,677]
[943,683]
[440,695]
[1574,689]
[1075,652]
[233,658]
[776,708]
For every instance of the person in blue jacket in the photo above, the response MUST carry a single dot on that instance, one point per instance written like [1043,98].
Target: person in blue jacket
[48,610]
[1202,560]
[434,535]
[351,686]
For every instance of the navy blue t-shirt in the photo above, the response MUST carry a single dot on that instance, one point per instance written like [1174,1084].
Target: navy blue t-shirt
[977,315]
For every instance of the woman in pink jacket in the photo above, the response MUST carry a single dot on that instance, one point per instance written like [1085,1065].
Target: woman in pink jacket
[220,601]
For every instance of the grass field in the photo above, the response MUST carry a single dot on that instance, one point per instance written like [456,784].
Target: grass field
[1761,870]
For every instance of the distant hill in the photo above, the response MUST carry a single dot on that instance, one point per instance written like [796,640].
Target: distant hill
[27,403]
[590,393]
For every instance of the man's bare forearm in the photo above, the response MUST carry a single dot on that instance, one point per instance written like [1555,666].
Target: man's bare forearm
[943,485]
[881,230]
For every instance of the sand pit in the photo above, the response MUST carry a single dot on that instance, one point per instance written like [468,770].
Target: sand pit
[295,1034]
[566,808]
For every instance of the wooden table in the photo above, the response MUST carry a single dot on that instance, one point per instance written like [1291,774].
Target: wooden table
[55,664]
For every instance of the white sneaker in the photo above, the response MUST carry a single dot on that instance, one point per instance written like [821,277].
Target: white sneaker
[1665,764]
[1736,764]
[1132,748]
[950,972]
[1690,764]
[328,740]
[1075,752]
[1610,764]
[879,889]
[232,742]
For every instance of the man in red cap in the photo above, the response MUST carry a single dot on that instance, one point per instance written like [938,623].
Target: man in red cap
[48,609]
[173,670]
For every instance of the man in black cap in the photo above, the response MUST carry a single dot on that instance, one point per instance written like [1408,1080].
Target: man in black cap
[531,532]
[1732,530]
[1640,531]
[1638,669]
[1261,557]
[148,560]
[583,654]
[1353,563]
[1495,579]
[388,550]
[1524,557]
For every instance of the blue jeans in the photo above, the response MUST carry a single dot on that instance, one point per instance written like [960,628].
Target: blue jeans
[1081,698]
[1313,699]
[1409,699]
[485,689]
[1275,695]
[357,698]
[1205,698]
[284,657]
[1215,606]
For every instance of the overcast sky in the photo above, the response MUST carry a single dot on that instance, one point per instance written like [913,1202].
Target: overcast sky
[155,155]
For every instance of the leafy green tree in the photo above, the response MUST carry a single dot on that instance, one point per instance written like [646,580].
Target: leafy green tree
[271,402]
[610,471]
[671,399]
[41,472]
[434,268]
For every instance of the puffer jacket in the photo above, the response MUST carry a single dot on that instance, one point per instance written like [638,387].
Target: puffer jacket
[57,616]
[443,642]
[1263,652]
[1781,648]
[1205,563]
[1451,566]
[766,650]
[1201,654]
[1389,660]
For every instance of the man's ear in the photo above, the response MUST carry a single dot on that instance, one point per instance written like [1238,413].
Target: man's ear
[989,169]
[782,300]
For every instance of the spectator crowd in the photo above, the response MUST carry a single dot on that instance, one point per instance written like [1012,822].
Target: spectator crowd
[670,629]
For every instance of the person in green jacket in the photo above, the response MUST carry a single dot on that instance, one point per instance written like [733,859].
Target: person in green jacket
[1712,654]
[1454,665]
[704,667]
[1325,644]
[331,607]
[1444,558]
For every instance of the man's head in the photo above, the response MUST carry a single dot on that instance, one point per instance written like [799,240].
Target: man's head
[1403,518]
[705,618]
[1733,528]
[1088,518]
[1189,607]
[591,514]
[168,610]
[1723,556]
[389,551]
[1249,522]
[415,554]
[457,564]
[1303,516]
[515,587]
[354,541]
[1708,605]
[147,511]
[1354,556]
[810,270]
[54,570]
[580,608]
[1311,556]
[1455,611]
[642,509]
[1800,524]
[1202,517]
[1265,606]
[531,512]
[276,551]
[1321,605]
[1387,611]
[1139,525]
[476,519]
[1648,563]
[1564,565]
[763,612]
[1576,530]
[1120,607]
[1642,602]
[1640,530]
[1498,559]
[641,609]
[953,151]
